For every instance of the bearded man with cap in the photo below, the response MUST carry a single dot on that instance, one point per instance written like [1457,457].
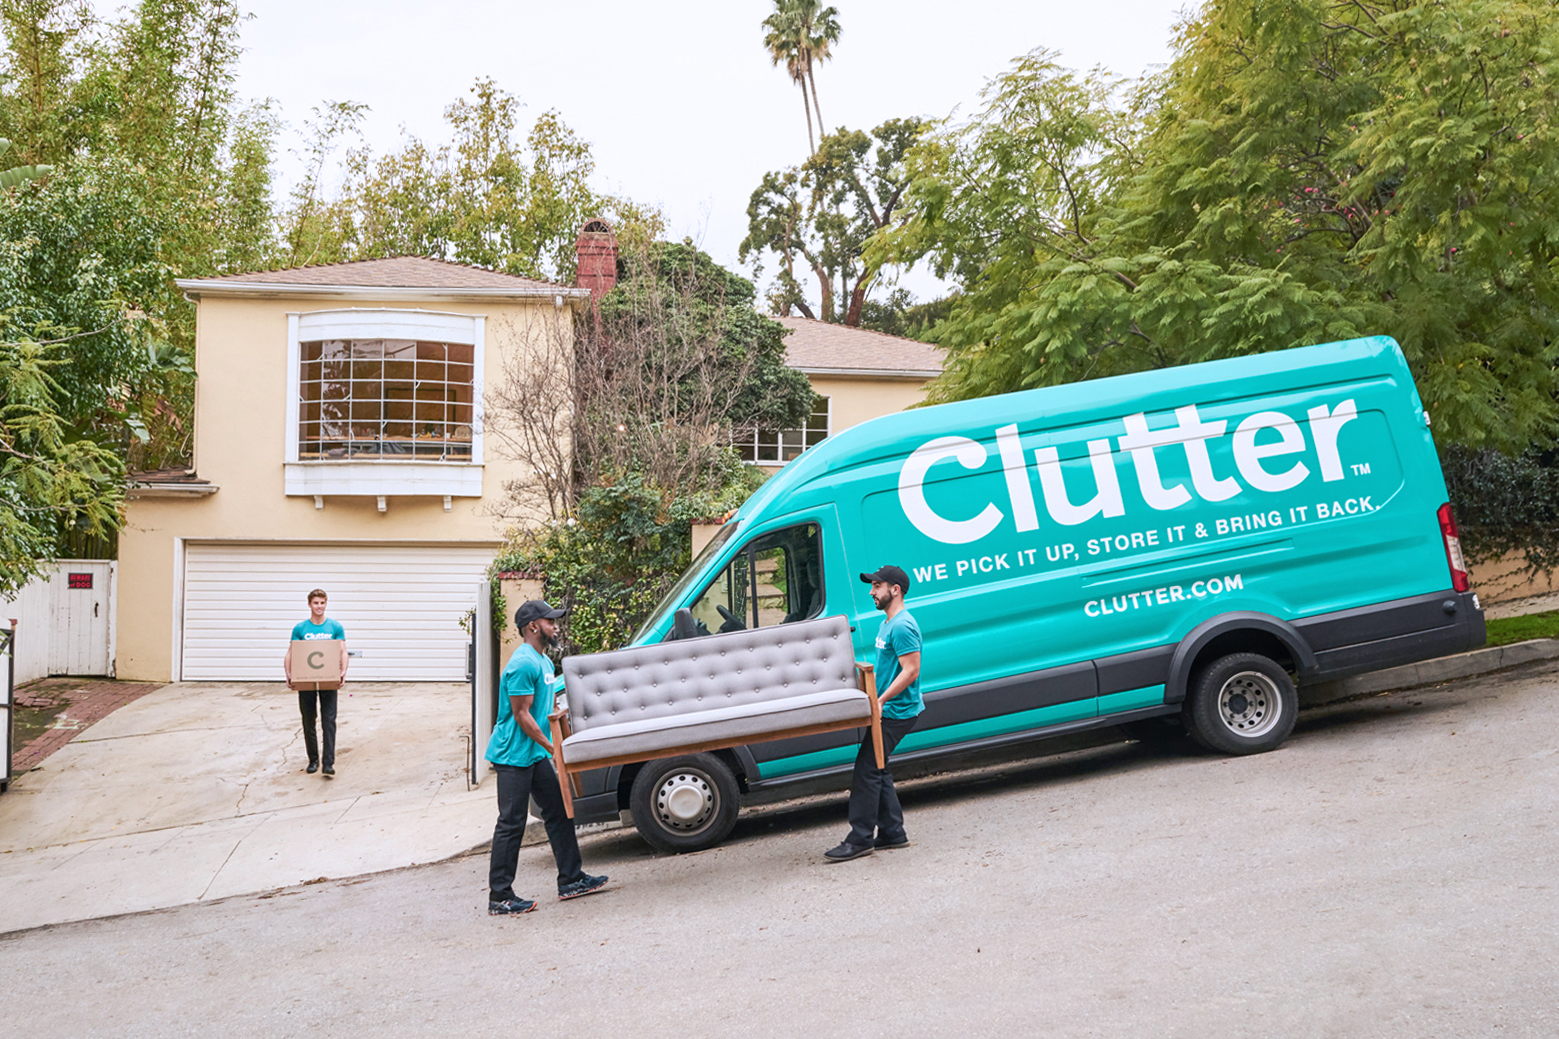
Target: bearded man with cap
[876,819]
[521,755]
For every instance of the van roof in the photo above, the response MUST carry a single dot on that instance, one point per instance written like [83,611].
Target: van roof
[1156,390]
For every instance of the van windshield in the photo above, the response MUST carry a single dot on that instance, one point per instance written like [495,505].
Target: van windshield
[694,570]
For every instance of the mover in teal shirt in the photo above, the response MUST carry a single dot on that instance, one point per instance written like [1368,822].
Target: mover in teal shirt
[876,818]
[320,703]
[520,751]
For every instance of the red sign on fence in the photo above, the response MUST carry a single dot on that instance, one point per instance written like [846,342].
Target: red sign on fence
[80,580]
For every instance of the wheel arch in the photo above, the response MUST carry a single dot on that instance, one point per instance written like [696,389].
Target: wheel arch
[738,759]
[1245,631]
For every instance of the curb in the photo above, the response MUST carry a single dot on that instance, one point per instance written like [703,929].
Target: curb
[1427,672]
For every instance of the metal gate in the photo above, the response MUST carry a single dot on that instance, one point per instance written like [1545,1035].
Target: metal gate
[483,657]
[7,641]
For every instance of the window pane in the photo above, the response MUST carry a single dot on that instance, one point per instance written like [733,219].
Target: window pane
[723,606]
[777,579]
[391,398]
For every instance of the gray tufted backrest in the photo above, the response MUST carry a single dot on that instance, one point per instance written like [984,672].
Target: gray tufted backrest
[678,677]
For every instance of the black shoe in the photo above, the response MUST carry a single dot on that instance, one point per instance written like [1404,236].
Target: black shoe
[330,770]
[313,767]
[510,907]
[846,851]
[901,841]
[585,885]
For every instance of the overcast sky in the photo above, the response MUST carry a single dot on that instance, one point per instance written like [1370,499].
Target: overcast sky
[678,100]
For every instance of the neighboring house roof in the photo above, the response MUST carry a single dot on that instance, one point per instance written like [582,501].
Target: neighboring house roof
[820,348]
[397,277]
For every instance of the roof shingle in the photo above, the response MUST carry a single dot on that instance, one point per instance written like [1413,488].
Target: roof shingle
[819,346]
[395,272]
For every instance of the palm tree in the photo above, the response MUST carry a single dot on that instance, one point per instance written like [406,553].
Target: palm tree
[800,34]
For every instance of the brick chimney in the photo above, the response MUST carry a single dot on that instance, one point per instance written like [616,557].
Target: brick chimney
[597,249]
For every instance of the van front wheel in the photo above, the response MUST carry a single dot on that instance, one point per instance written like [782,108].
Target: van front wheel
[685,803]
[1243,703]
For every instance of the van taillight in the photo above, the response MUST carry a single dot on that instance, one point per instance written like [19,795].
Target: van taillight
[1453,549]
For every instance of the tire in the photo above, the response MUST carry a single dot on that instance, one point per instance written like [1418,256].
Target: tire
[1243,703]
[685,803]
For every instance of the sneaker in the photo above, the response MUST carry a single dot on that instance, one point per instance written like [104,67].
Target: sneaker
[510,907]
[330,770]
[313,767]
[846,851]
[585,885]
[901,841]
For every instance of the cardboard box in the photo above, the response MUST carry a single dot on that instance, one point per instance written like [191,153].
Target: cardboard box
[316,663]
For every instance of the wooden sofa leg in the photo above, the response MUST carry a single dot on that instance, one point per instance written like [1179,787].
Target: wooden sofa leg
[565,781]
[866,676]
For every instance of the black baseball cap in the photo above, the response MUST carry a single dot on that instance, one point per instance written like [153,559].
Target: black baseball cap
[889,575]
[533,610]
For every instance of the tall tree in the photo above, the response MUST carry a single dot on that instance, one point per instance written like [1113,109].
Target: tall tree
[822,213]
[1304,170]
[800,35]
[488,196]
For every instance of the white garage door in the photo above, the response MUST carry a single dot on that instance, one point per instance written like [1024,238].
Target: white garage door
[401,606]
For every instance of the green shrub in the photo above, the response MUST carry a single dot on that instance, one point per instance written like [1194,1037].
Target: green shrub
[626,545]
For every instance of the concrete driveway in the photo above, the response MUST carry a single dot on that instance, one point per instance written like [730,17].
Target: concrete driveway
[1387,874]
[197,791]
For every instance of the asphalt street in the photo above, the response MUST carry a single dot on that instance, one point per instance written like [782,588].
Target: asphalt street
[1390,872]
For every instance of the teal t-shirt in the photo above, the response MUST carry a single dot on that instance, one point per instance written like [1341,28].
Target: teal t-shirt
[308,631]
[528,673]
[898,636]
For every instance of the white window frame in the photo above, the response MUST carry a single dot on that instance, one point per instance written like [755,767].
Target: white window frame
[383,476]
[779,459]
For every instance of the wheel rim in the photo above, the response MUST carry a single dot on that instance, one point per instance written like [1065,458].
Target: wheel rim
[1249,704]
[686,801]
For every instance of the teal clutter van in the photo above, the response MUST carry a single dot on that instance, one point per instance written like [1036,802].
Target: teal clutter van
[1189,542]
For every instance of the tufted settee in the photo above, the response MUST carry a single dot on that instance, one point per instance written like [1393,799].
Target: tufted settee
[706,693]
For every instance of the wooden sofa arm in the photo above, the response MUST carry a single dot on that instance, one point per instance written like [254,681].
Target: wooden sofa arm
[560,732]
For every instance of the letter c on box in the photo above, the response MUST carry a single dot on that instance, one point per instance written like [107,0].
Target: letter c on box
[912,495]
[316,659]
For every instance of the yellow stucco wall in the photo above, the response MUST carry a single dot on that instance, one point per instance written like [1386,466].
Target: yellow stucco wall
[240,443]
[854,400]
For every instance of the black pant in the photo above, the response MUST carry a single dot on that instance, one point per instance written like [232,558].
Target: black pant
[516,786]
[874,804]
[326,699]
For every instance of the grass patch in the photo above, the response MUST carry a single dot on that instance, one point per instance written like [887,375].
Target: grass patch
[1506,630]
[34,716]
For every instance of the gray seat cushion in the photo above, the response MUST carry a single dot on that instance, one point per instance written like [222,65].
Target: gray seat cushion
[737,687]
[736,724]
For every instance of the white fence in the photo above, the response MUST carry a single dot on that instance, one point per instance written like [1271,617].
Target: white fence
[65,620]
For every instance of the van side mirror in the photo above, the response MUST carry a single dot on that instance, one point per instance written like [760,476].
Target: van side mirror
[682,626]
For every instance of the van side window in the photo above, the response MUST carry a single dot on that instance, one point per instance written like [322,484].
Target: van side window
[775,579]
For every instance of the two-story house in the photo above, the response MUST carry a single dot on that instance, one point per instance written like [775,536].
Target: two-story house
[342,442]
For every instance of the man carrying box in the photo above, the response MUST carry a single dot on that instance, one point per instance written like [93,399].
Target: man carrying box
[315,699]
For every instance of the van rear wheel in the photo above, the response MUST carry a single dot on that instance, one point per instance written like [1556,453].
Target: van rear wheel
[1243,703]
[685,803]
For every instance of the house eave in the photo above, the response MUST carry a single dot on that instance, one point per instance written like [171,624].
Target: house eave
[196,288]
[870,373]
[171,490]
